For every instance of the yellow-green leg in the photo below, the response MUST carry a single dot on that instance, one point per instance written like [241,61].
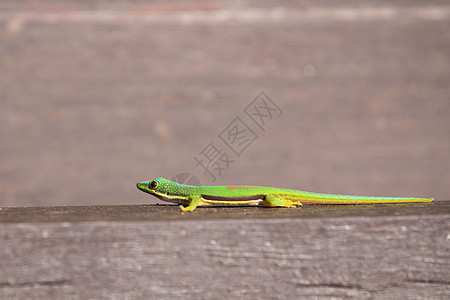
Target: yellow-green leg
[274,201]
[192,205]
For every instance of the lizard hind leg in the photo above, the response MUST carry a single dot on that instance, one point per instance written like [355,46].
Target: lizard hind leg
[277,201]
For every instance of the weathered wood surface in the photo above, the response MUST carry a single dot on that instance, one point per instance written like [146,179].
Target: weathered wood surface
[156,252]
[96,95]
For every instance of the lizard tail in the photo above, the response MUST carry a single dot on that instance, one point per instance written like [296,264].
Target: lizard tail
[317,198]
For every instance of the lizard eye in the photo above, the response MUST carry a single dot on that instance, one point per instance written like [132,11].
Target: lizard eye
[153,184]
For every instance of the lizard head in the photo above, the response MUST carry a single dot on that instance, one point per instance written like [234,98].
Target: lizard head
[156,187]
[161,188]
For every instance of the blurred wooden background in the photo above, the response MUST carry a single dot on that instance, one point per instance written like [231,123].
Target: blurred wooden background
[97,95]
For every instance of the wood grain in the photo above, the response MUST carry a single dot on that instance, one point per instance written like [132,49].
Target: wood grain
[211,255]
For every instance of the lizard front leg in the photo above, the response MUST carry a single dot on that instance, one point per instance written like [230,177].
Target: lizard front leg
[194,202]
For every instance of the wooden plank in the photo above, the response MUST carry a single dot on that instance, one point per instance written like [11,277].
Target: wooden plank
[209,255]
[171,212]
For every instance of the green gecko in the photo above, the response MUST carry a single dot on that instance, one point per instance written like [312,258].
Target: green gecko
[189,197]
